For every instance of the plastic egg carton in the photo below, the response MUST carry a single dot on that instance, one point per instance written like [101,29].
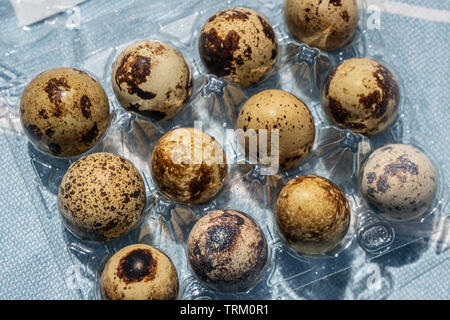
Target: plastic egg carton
[337,154]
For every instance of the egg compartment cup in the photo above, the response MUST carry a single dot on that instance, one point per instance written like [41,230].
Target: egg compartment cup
[337,154]
[377,234]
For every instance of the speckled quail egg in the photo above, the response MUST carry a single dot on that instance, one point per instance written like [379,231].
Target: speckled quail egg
[279,110]
[152,79]
[188,166]
[323,24]
[64,111]
[400,181]
[227,250]
[101,197]
[362,95]
[139,272]
[239,45]
[312,214]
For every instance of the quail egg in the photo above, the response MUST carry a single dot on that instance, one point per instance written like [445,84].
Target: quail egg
[323,24]
[64,111]
[152,79]
[312,214]
[227,250]
[239,45]
[362,95]
[139,272]
[188,166]
[400,181]
[279,110]
[101,197]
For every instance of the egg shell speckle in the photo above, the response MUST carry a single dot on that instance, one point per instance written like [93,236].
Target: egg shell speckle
[101,197]
[227,250]
[239,45]
[362,95]
[152,79]
[139,272]
[323,24]
[312,214]
[400,181]
[64,111]
[280,110]
[188,166]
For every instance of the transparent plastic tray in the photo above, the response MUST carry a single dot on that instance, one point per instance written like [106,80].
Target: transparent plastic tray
[337,154]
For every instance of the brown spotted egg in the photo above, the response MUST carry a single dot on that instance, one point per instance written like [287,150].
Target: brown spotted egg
[312,214]
[323,24]
[362,95]
[239,45]
[139,272]
[399,181]
[101,197]
[188,166]
[227,250]
[152,79]
[279,110]
[64,111]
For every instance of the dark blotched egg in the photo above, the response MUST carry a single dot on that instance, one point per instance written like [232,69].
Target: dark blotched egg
[239,45]
[64,111]
[153,79]
[139,272]
[227,250]
[400,181]
[188,166]
[362,95]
